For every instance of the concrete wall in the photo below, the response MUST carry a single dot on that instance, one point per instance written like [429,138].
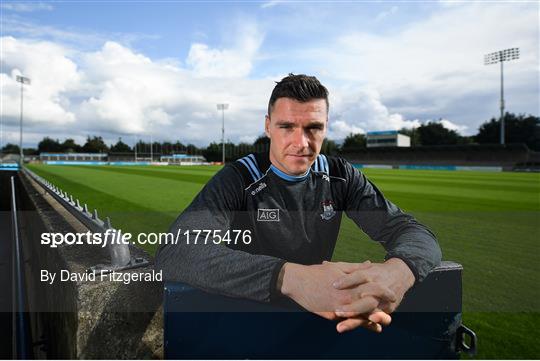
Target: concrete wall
[84,319]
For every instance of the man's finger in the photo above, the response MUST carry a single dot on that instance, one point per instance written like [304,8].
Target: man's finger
[352,323]
[329,315]
[376,290]
[352,279]
[379,317]
[388,307]
[360,306]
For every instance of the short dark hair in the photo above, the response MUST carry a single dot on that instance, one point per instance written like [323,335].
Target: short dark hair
[301,87]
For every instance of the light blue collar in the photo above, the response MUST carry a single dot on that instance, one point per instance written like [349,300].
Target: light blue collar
[288,177]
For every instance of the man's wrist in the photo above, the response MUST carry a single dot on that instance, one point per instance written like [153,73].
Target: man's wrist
[287,279]
[402,272]
[279,282]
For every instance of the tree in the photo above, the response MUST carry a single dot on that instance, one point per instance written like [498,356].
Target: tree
[353,142]
[10,148]
[179,147]
[95,145]
[242,149]
[519,129]
[69,146]
[212,153]
[434,133]
[329,147]
[262,143]
[466,139]
[120,147]
[167,148]
[193,150]
[49,145]
[141,147]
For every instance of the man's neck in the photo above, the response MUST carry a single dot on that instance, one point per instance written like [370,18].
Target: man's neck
[279,170]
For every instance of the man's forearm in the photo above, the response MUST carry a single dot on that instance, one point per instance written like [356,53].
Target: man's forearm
[417,248]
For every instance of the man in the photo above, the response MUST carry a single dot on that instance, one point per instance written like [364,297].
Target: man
[290,201]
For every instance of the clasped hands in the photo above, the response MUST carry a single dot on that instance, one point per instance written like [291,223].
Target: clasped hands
[355,294]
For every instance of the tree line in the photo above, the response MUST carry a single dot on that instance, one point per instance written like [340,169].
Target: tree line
[519,129]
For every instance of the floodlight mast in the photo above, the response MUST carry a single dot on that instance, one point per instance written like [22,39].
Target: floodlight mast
[223,107]
[500,57]
[23,80]
[151,142]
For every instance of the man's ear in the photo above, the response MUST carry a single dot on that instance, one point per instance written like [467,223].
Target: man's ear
[267,126]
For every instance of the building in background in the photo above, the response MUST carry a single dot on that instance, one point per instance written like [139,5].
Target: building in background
[388,138]
[72,157]
[183,159]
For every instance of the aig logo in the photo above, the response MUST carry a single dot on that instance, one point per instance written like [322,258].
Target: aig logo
[268,215]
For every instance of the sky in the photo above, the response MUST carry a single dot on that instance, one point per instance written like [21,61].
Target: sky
[141,69]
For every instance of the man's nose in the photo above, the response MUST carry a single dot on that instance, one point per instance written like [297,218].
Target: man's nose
[300,138]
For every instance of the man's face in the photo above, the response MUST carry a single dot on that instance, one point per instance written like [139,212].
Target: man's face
[296,131]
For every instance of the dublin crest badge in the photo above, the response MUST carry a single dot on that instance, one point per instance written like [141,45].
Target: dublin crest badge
[328,210]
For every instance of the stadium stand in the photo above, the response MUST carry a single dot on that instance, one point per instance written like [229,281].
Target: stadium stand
[183,159]
[68,157]
[505,156]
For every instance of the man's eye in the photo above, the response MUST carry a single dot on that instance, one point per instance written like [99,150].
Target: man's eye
[285,126]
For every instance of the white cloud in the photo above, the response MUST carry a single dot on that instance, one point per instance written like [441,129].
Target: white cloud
[117,91]
[271,4]
[236,61]
[53,76]
[25,6]
[339,129]
[452,126]
[248,138]
[384,14]
[81,40]
[434,67]
[361,110]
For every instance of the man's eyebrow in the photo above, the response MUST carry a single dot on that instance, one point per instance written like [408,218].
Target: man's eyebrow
[285,122]
[315,123]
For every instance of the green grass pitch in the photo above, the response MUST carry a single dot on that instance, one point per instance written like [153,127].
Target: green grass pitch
[488,222]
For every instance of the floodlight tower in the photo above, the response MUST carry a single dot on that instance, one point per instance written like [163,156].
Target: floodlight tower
[223,107]
[23,80]
[500,57]
[151,143]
